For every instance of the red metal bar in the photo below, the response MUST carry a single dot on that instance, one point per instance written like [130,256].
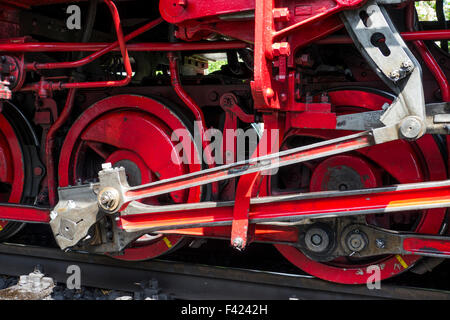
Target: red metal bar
[23,213]
[188,101]
[435,69]
[240,224]
[327,11]
[407,36]
[95,55]
[426,55]
[144,46]
[364,202]
[43,85]
[195,109]
[256,233]
[49,143]
[183,95]
[192,46]
[424,246]
[224,172]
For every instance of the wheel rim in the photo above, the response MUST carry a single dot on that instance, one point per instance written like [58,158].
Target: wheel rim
[12,173]
[133,132]
[406,163]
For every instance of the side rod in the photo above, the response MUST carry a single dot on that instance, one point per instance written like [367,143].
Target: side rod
[290,208]
[264,163]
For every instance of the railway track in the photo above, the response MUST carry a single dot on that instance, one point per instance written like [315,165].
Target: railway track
[192,281]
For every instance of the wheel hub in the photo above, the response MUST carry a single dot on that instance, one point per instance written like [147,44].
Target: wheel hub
[135,168]
[344,172]
[317,239]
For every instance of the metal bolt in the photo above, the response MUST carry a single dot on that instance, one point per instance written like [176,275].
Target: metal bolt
[281,14]
[406,65]
[281,49]
[380,243]
[394,75]
[238,242]
[411,127]
[316,239]
[228,100]
[356,241]
[108,199]
[269,93]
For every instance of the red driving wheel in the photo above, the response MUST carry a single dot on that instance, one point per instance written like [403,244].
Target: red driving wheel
[12,172]
[134,132]
[395,162]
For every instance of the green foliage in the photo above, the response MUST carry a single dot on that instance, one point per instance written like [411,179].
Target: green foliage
[426,10]
[217,65]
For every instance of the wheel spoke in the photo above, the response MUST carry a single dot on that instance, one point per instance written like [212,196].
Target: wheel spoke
[98,148]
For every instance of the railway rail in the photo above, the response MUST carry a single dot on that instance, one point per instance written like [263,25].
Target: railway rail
[188,281]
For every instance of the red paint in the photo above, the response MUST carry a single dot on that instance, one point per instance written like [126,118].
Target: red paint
[128,123]
[256,233]
[44,86]
[295,208]
[315,34]
[174,11]
[12,169]
[52,180]
[146,46]
[118,128]
[24,214]
[416,245]
[176,83]
[94,56]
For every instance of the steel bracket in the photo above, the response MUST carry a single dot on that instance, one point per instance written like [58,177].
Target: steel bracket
[379,42]
[359,240]
[76,212]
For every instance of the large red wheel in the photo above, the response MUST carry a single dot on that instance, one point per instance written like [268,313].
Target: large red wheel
[14,133]
[134,132]
[394,162]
